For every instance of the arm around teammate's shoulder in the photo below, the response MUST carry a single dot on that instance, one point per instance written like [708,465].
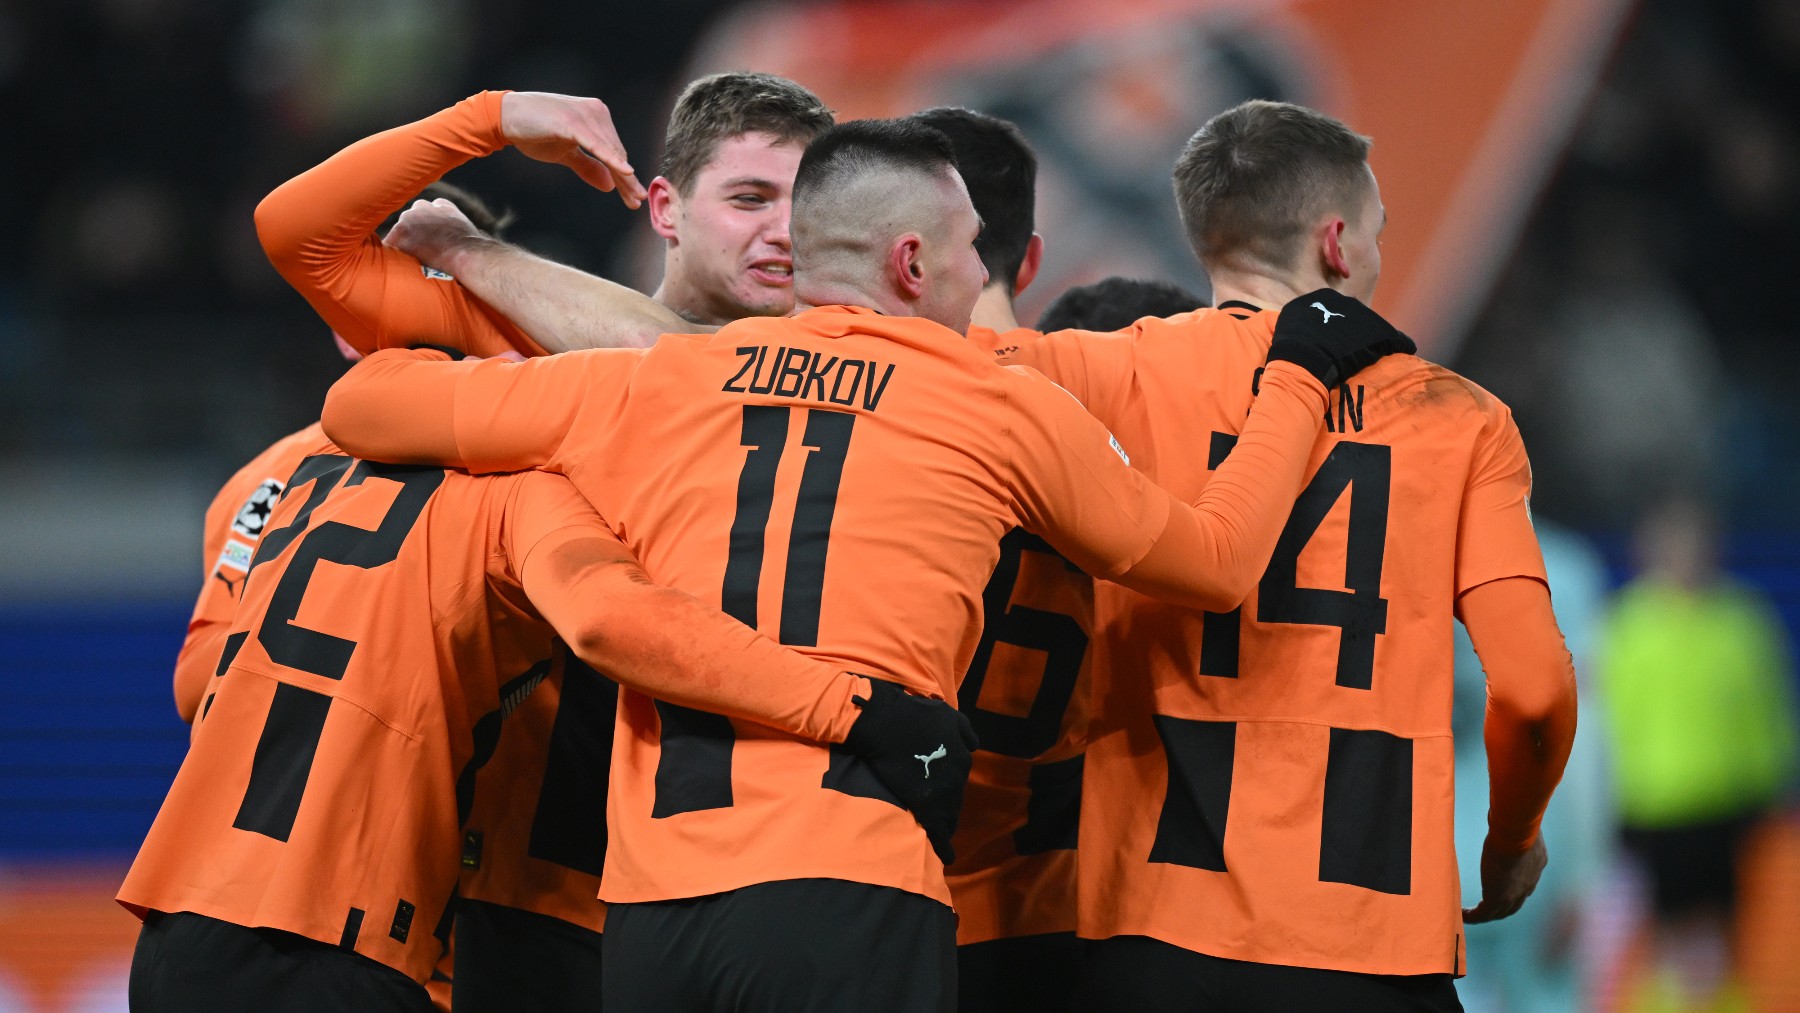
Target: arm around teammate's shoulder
[1077,490]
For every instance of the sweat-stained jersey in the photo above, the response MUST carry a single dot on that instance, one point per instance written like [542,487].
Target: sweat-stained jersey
[234,524]
[318,229]
[842,480]
[1275,783]
[1026,692]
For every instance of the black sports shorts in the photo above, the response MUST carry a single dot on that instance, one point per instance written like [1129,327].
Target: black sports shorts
[1025,974]
[512,960]
[1692,868]
[794,946]
[189,963]
[1143,975]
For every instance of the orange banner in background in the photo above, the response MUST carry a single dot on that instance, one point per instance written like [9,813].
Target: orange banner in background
[1469,105]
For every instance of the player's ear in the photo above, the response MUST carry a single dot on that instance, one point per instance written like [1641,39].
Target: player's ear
[665,206]
[1331,249]
[906,267]
[1028,268]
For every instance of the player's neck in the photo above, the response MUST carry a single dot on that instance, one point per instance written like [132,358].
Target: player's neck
[994,310]
[1261,290]
[685,300]
[809,292]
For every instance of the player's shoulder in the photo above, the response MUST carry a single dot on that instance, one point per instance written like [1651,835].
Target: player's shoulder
[1418,383]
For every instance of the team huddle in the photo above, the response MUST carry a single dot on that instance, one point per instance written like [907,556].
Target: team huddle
[812,636]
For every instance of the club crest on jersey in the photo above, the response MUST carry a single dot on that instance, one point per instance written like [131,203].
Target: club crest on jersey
[254,514]
[434,274]
[1117,449]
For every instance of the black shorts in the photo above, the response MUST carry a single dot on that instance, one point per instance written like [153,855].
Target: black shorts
[1692,868]
[189,963]
[1025,974]
[508,959]
[794,946]
[1136,974]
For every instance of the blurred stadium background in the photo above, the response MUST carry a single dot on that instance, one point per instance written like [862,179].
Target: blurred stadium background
[1592,206]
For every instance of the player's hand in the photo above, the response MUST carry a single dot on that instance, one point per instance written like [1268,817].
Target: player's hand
[428,230]
[919,748]
[1506,880]
[1332,335]
[571,131]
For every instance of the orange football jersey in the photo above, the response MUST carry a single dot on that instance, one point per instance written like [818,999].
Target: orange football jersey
[842,480]
[318,229]
[1275,783]
[384,635]
[536,838]
[234,524]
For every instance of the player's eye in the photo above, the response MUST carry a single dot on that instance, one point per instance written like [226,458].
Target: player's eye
[750,199]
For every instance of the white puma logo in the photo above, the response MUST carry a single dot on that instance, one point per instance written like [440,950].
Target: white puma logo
[939,754]
[1328,314]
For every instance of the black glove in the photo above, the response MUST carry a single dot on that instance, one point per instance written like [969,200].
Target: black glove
[919,748]
[1332,335]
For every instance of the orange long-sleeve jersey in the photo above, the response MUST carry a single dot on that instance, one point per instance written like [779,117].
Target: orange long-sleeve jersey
[1274,782]
[841,479]
[318,229]
[234,524]
[391,618]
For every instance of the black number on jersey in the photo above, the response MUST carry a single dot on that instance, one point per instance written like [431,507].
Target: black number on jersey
[1060,638]
[291,733]
[1364,471]
[1365,828]
[693,771]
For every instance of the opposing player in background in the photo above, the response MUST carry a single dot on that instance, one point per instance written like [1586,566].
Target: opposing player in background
[1115,303]
[1267,820]
[529,921]
[886,432]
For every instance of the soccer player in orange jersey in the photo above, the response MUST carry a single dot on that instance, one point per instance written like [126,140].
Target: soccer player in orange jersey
[240,509]
[1267,820]
[528,918]
[841,478]
[721,205]
[1013,881]
[391,617]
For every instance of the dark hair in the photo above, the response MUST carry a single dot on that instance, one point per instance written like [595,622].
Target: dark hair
[474,208]
[1255,177]
[1000,170]
[718,107]
[1115,303]
[849,150]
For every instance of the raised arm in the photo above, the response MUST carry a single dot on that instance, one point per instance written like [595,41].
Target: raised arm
[562,308]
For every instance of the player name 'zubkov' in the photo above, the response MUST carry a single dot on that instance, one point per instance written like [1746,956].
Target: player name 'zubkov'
[808,375]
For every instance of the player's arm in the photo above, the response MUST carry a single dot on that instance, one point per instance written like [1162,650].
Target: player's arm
[1529,731]
[1209,554]
[416,406]
[670,646]
[1084,499]
[562,308]
[1504,602]
[205,640]
[318,230]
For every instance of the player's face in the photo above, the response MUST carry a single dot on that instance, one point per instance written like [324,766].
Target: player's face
[954,271]
[1361,244]
[735,257]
